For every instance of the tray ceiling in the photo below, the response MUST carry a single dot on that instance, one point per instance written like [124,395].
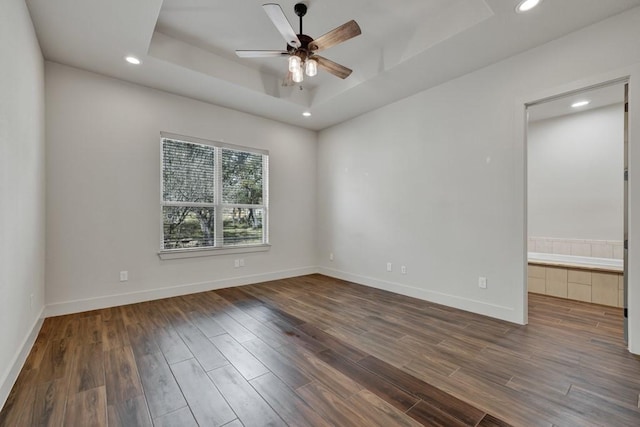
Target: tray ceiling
[187,47]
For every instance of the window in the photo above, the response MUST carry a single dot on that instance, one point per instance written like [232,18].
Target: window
[214,195]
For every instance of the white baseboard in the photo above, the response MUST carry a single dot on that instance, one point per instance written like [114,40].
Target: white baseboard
[11,374]
[474,306]
[77,306]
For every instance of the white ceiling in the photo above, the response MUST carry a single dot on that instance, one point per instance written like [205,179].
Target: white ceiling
[187,46]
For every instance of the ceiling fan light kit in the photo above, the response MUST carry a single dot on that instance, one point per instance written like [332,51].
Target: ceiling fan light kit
[301,48]
[294,63]
[311,67]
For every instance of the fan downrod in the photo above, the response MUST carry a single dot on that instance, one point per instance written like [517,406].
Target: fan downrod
[300,9]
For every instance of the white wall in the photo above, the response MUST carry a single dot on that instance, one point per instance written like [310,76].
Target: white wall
[575,184]
[21,189]
[103,190]
[436,181]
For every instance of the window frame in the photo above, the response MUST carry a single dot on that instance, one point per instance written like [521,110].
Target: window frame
[219,248]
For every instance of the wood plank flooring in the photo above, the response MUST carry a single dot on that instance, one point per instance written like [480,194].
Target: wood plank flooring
[316,351]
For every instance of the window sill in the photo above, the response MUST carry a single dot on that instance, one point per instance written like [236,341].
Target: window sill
[204,252]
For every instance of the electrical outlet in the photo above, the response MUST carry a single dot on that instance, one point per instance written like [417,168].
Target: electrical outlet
[331,256]
[241,262]
[236,263]
[389,266]
[124,276]
[482,282]
[403,269]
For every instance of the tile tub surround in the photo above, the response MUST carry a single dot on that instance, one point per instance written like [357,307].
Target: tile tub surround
[577,247]
[577,283]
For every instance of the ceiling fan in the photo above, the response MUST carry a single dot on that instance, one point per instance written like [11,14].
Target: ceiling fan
[301,48]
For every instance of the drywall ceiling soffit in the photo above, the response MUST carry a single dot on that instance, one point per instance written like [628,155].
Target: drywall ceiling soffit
[187,47]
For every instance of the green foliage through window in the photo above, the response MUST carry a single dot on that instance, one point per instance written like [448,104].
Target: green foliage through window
[212,195]
[241,177]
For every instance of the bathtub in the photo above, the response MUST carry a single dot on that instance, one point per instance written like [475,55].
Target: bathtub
[580,278]
[590,263]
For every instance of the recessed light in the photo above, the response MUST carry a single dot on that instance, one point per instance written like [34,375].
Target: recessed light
[306,114]
[132,60]
[580,104]
[527,5]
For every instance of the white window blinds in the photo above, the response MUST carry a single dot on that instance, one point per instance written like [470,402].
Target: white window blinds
[214,195]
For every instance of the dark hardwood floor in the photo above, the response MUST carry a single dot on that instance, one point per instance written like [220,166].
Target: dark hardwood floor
[315,351]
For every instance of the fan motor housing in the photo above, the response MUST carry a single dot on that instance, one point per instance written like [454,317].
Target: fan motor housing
[303,51]
[305,41]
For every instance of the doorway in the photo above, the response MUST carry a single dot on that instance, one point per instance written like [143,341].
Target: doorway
[577,196]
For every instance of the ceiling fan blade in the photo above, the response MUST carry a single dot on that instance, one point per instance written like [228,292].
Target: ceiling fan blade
[338,35]
[277,16]
[261,53]
[333,67]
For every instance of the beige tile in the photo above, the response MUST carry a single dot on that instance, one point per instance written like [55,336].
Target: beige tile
[620,281]
[618,251]
[544,246]
[601,250]
[562,247]
[581,249]
[536,285]
[604,288]
[555,274]
[556,289]
[531,245]
[536,271]
[579,292]
[556,282]
[579,276]
[611,279]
